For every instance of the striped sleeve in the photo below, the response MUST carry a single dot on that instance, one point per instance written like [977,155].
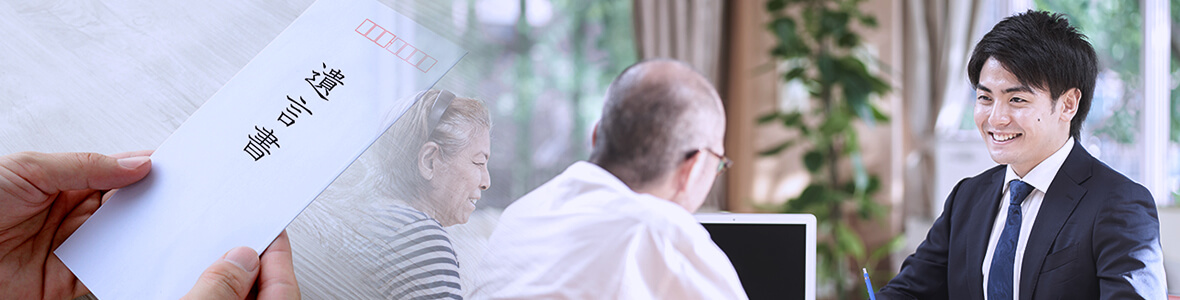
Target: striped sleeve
[417,260]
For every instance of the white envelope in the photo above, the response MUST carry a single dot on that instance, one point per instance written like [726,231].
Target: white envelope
[260,150]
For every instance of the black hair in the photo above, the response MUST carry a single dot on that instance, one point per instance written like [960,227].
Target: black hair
[1043,51]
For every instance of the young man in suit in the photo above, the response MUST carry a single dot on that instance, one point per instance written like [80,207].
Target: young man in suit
[1051,221]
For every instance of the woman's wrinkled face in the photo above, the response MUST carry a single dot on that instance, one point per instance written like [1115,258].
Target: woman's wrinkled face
[460,180]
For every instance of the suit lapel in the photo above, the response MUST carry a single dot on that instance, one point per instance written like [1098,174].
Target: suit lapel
[1060,201]
[978,231]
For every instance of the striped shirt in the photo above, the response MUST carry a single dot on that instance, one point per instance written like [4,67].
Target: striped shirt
[380,251]
[418,260]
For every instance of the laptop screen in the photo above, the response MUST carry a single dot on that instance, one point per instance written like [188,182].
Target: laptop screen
[771,257]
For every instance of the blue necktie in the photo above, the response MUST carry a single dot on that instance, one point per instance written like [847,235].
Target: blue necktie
[999,278]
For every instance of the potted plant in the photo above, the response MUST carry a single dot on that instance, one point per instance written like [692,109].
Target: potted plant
[817,48]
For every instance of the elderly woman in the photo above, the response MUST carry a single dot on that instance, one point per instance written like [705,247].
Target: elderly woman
[430,169]
[437,157]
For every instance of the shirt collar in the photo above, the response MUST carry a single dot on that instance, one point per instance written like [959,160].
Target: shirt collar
[1042,175]
[591,173]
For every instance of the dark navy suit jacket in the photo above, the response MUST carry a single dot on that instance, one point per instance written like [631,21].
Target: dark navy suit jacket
[1095,237]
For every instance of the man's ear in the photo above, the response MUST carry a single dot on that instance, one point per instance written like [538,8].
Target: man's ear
[428,159]
[1068,103]
[684,172]
[594,136]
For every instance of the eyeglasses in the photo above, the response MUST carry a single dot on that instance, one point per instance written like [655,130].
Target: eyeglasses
[723,164]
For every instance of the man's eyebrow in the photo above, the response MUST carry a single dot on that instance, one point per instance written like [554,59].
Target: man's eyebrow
[1022,88]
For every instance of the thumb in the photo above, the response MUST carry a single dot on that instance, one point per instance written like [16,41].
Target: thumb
[232,277]
[54,172]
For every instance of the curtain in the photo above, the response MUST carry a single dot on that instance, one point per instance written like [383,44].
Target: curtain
[688,30]
[939,36]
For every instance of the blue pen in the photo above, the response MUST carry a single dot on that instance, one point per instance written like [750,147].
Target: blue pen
[869,284]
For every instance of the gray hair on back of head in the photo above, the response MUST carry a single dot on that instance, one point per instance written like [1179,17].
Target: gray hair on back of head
[655,113]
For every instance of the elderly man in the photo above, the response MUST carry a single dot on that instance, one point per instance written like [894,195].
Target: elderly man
[620,226]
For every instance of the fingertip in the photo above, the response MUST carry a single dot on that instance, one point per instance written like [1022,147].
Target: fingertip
[109,172]
[231,277]
[133,153]
[282,241]
[54,172]
[243,257]
[132,163]
[277,278]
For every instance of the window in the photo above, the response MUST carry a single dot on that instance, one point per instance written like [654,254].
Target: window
[1131,126]
[542,67]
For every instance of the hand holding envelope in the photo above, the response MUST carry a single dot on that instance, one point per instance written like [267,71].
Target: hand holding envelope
[233,276]
[45,197]
[262,148]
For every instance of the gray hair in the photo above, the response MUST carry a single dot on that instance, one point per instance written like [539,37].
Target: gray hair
[656,113]
[396,152]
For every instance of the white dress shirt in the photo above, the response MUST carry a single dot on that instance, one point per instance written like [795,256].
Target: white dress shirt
[586,235]
[1040,177]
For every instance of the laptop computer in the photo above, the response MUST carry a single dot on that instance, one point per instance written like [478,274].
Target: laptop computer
[774,254]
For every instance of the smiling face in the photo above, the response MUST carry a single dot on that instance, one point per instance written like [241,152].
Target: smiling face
[459,180]
[1021,125]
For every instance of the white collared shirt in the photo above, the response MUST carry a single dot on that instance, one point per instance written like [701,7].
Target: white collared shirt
[586,235]
[1039,178]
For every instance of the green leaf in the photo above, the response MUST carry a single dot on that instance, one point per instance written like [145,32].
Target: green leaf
[874,184]
[879,85]
[784,28]
[814,86]
[793,119]
[867,208]
[805,130]
[853,65]
[773,151]
[858,101]
[879,115]
[778,51]
[794,73]
[775,5]
[835,123]
[811,21]
[813,199]
[790,45]
[823,248]
[848,40]
[851,140]
[813,160]
[827,69]
[833,22]
[894,244]
[849,242]
[826,261]
[860,174]
[869,21]
[768,117]
[857,88]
